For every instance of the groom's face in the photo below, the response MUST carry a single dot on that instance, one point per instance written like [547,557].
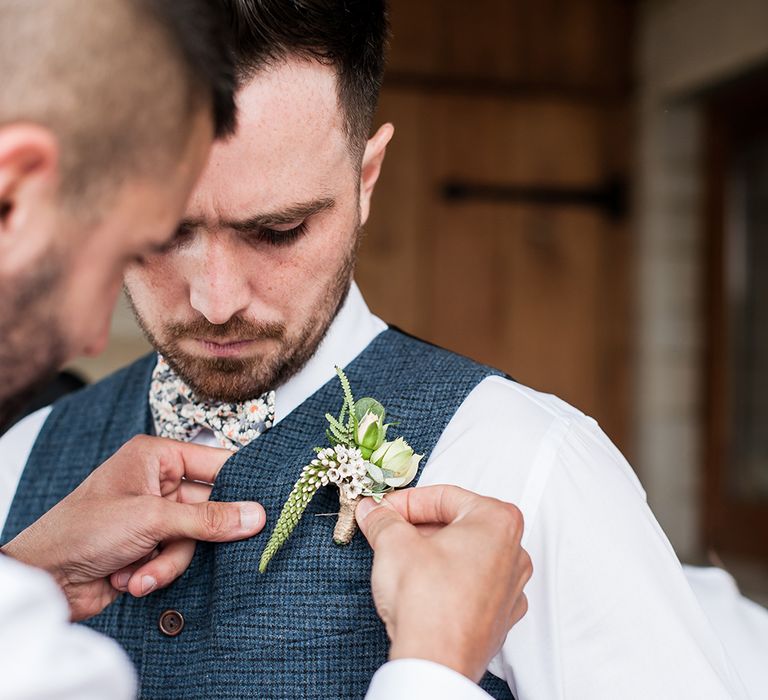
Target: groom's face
[266,251]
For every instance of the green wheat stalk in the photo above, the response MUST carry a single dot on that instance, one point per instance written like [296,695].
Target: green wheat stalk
[339,433]
[303,491]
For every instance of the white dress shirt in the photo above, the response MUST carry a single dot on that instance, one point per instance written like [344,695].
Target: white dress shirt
[741,624]
[610,612]
[42,655]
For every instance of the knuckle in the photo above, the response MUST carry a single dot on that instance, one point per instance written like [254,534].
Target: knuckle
[515,515]
[169,572]
[518,611]
[137,443]
[523,604]
[374,527]
[153,517]
[213,518]
[380,530]
[511,518]
[528,565]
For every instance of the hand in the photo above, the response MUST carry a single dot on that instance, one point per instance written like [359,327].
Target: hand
[131,525]
[448,573]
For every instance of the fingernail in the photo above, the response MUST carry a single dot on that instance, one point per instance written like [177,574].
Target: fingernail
[148,584]
[122,581]
[250,516]
[364,508]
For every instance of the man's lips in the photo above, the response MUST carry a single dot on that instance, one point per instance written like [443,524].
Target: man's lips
[224,348]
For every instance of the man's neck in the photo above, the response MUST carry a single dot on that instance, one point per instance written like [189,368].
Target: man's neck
[349,334]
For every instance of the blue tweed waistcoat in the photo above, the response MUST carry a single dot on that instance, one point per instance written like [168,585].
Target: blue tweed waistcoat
[307,628]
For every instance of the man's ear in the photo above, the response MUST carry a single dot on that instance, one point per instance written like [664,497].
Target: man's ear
[29,158]
[373,158]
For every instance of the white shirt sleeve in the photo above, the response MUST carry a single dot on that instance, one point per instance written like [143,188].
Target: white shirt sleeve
[610,614]
[418,679]
[15,447]
[42,655]
[741,624]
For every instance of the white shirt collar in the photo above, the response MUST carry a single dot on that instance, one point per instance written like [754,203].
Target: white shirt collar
[349,334]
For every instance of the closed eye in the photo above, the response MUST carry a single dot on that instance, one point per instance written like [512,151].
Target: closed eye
[278,237]
[182,236]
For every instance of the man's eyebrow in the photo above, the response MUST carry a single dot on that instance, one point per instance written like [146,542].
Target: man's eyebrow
[289,215]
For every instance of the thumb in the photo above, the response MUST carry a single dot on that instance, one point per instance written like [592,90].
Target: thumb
[380,522]
[213,521]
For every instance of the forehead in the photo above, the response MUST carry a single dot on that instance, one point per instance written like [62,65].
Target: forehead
[290,144]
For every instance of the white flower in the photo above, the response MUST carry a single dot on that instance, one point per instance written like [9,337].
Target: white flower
[394,464]
[375,473]
[256,410]
[198,415]
[165,411]
[353,490]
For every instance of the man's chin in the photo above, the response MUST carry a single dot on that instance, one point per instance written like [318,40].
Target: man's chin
[225,390]
[226,379]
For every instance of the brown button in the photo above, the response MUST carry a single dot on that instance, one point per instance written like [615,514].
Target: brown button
[171,623]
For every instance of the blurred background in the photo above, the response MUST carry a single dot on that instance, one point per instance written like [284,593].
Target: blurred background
[577,193]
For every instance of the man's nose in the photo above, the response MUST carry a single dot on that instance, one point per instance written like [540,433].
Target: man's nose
[218,289]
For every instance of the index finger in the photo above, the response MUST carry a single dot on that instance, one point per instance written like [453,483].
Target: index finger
[441,504]
[194,462]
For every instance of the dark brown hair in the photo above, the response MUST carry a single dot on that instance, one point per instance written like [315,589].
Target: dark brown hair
[349,35]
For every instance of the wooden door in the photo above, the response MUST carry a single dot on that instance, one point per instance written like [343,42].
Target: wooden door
[526,268]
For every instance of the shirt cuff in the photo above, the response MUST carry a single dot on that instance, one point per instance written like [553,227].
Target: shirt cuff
[418,678]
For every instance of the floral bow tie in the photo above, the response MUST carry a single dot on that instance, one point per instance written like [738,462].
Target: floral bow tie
[178,414]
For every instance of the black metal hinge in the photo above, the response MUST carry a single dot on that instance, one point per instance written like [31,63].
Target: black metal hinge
[610,197]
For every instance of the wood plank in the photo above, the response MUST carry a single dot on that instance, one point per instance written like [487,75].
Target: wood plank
[533,290]
[581,43]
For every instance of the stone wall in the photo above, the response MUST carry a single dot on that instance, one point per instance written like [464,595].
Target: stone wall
[685,47]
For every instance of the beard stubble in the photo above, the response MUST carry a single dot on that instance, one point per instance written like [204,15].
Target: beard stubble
[32,344]
[235,380]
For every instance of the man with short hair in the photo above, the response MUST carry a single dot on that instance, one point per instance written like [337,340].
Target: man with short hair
[109,109]
[108,113]
[250,308]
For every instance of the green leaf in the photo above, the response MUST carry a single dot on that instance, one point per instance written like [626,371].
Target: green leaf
[341,437]
[339,431]
[348,399]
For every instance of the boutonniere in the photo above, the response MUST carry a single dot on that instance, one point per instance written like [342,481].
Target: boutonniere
[359,460]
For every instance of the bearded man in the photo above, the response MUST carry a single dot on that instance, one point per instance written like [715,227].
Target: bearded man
[109,110]
[250,308]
